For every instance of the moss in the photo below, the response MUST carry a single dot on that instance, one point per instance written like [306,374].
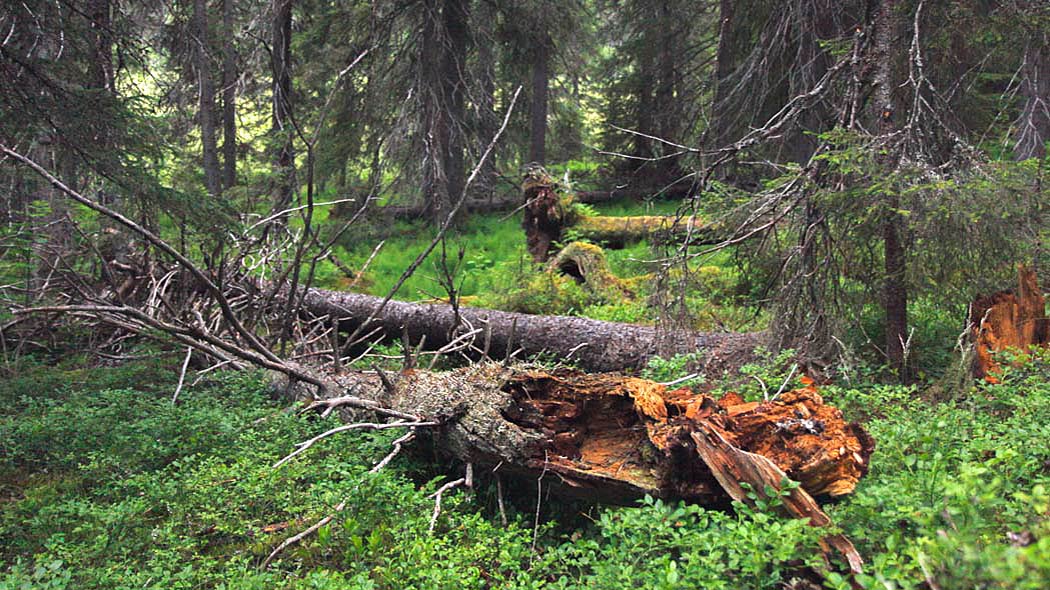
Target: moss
[619,231]
[586,264]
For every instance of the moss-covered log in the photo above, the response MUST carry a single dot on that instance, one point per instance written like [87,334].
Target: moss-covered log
[586,264]
[591,344]
[617,232]
[612,438]
[550,216]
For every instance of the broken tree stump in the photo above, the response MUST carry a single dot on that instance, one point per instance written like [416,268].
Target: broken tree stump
[550,216]
[615,439]
[1012,319]
[586,264]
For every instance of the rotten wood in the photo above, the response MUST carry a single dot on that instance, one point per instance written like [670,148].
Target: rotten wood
[733,467]
[549,216]
[1012,319]
[611,438]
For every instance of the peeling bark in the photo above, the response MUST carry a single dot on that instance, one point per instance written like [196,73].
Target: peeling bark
[615,439]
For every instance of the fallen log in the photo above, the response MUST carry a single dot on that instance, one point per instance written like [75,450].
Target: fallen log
[593,345]
[586,264]
[618,232]
[611,438]
[1008,320]
[550,217]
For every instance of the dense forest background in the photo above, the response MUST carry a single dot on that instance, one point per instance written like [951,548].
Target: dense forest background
[199,184]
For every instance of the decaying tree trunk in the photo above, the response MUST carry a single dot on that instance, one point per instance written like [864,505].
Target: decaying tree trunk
[614,439]
[590,344]
[549,216]
[618,232]
[586,264]
[1008,319]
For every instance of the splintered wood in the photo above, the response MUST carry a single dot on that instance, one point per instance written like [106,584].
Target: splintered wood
[1008,320]
[616,437]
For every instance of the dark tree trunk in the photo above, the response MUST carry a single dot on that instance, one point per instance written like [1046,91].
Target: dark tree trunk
[454,82]
[538,111]
[895,302]
[102,75]
[229,98]
[725,63]
[668,119]
[281,127]
[436,198]
[206,87]
[487,119]
[591,344]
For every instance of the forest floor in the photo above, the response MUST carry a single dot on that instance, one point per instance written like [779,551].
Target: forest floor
[496,272]
[104,483]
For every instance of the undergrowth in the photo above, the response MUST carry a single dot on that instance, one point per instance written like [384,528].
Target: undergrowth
[106,484]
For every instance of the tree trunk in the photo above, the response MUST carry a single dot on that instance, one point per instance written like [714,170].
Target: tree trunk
[725,63]
[895,302]
[102,75]
[616,439]
[281,126]
[229,98]
[538,111]
[591,344]
[668,119]
[1034,124]
[454,81]
[435,187]
[487,118]
[212,178]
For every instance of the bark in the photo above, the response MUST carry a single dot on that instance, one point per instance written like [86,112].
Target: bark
[442,61]
[206,87]
[895,294]
[1034,124]
[102,61]
[281,124]
[487,118]
[725,64]
[229,98]
[456,14]
[538,110]
[436,197]
[732,467]
[1008,320]
[615,439]
[590,344]
[544,214]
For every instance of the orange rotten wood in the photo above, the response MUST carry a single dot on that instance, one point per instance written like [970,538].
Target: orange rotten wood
[1008,320]
[612,438]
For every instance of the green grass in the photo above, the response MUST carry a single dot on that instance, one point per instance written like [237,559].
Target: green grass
[497,272]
